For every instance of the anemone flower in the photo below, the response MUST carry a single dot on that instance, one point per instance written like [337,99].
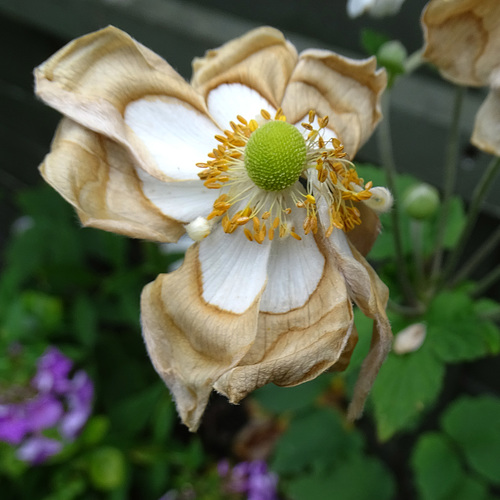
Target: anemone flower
[250,160]
[462,38]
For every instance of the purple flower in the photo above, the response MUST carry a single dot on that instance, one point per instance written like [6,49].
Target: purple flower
[53,371]
[252,478]
[37,449]
[79,398]
[60,402]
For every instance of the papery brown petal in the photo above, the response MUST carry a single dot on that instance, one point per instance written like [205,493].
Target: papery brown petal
[363,237]
[261,59]
[346,90]
[190,342]
[94,78]
[97,176]
[298,345]
[486,134]
[462,38]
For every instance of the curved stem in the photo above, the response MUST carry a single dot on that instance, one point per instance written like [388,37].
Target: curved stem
[389,165]
[416,231]
[486,248]
[486,282]
[450,175]
[475,205]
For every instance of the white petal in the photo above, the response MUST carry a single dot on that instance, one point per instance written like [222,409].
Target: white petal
[176,135]
[356,7]
[227,101]
[233,269]
[294,271]
[182,201]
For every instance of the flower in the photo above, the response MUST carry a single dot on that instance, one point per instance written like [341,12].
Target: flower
[376,8]
[53,401]
[462,38]
[265,294]
[252,478]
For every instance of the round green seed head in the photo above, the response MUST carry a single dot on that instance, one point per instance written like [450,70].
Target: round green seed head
[275,155]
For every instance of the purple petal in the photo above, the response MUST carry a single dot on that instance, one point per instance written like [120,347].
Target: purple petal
[53,370]
[43,412]
[79,400]
[37,449]
[13,423]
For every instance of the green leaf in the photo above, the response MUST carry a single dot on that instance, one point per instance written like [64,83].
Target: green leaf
[455,333]
[359,478]
[469,488]
[474,423]
[372,40]
[437,468]
[406,386]
[289,399]
[313,442]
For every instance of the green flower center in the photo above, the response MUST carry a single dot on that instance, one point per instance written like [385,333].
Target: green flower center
[275,155]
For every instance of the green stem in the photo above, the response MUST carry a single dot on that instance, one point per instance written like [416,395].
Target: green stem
[387,157]
[414,61]
[450,175]
[481,253]
[486,282]
[475,205]
[416,231]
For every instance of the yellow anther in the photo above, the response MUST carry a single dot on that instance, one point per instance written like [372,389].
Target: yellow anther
[279,114]
[307,126]
[312,115]
[256,224]
[241,119]
[266,215]
[311,199]
[287,211]
[265,114]
[248,234]
[271,234]
[276,223]
[295,235]
[368,185]
[253,125]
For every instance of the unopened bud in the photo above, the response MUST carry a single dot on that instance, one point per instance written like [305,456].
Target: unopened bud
[381,200]
[410,338]
[199,228]
[421,201]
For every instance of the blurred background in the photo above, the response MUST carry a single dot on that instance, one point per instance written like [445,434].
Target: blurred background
[79,290]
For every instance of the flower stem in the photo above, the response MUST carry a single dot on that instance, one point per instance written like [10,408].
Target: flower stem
[484,250]
[416,231]
[387,157]
[414,61]
[477,199]
[486,282]
[450,175]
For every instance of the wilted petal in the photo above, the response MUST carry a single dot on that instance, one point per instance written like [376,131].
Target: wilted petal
[95,78]
[486,134]
[346,90]
[297,345]
[98,177]
[462,38]
[261,59]
[192,343]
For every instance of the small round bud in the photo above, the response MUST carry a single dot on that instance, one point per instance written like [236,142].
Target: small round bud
[392,55]
[421,201]
[410,338]
[199,228]
[381,200]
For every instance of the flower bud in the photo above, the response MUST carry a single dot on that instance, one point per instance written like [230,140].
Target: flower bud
[392,55]
[199,228]
[421,201]
[410,338]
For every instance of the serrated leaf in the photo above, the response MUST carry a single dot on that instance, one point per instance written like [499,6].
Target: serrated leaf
[474,423]
[359,478]
[406,387]
[437,468]
[455,333]
[313,442]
